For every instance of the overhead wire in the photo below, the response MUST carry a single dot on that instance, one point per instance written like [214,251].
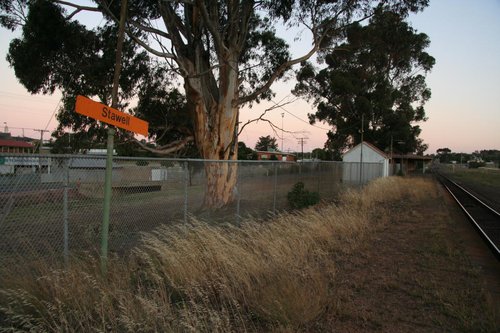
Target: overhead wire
[302,120]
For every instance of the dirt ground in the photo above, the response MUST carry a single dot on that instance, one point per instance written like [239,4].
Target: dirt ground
[424,271]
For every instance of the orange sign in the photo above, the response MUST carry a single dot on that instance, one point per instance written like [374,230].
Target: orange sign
[109,115]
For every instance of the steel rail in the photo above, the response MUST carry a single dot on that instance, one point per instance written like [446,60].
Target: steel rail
[476,223]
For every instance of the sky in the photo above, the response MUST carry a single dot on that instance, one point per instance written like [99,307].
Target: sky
[463,112]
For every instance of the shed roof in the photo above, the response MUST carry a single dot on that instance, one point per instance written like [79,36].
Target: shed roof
[15,143]
[371,146]
[412,157]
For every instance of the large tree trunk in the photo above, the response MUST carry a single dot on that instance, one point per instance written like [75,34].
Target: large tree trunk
[216,119]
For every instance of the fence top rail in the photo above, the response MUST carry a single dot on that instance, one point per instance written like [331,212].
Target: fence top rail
[168,159]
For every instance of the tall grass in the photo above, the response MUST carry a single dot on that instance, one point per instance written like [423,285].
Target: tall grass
[273,274]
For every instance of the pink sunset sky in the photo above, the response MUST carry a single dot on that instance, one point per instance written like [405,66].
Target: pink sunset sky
[464,111]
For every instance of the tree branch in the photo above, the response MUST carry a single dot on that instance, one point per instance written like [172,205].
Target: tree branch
[282,68]
[149,29]
[219,44]
[166,149]
[132,36]
[78,7]
[275,106]
[149,48]
[317,42]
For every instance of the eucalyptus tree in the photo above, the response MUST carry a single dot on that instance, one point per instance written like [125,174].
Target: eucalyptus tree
[375,79]
[226,54]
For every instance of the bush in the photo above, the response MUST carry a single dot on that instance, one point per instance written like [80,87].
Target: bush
[142,163]
[299,197]
[475,165]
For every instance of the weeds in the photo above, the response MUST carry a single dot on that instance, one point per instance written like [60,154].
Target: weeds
[273,275]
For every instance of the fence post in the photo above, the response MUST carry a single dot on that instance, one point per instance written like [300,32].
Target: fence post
[65,211]
[238,196]
[186,184]
[319,176]
[107,202]
[275,186]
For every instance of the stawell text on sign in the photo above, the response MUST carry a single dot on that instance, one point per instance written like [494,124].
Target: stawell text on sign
[104,113]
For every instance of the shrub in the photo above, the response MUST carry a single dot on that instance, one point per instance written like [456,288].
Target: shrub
[299,197]
[475,165]
[142,163]
[167,164]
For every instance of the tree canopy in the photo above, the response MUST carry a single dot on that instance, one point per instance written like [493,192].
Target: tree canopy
[266,143]
[245,153]
[378,74]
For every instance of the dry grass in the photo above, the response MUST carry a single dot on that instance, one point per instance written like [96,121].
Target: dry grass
[273,275]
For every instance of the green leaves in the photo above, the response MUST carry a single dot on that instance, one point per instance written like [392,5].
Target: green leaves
[379,72]
[266,143]
[299,197]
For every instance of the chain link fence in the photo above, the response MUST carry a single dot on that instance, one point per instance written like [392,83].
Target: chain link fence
[52,205]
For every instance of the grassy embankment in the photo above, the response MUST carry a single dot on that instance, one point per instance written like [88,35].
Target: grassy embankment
[276,275]
[481,176]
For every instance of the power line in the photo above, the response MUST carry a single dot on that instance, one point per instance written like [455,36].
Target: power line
[302,120]
[26,97]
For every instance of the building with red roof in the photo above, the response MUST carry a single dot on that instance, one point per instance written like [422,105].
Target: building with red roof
[15,146]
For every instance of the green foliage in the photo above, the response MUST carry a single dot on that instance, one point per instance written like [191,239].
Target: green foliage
[322,154]
[56,53]
[266,143]
[372,74]
[167,164]
[142,163]
[299,197]
[244,152]
[443,151]
[476,164]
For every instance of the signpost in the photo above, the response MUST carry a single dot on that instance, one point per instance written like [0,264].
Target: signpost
[111,116]
[104,113]
[87,107]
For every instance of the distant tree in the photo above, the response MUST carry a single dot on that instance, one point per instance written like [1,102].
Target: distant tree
[322,154]
[443,151]
[379,73]
[443,155]
[244,152]
[69,143]
[266,143]
[490,155]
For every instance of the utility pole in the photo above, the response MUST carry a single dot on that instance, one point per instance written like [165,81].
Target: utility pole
[361,153]
[282,116]
[41,138]
[392,159]
[301,142]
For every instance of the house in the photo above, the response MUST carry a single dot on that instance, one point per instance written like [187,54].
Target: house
[12,164]
[275,156]
[375,163]
[10,145]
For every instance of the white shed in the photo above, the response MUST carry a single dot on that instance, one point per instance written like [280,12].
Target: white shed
[375,163]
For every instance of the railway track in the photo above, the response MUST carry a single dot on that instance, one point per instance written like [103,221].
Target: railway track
[485,219]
